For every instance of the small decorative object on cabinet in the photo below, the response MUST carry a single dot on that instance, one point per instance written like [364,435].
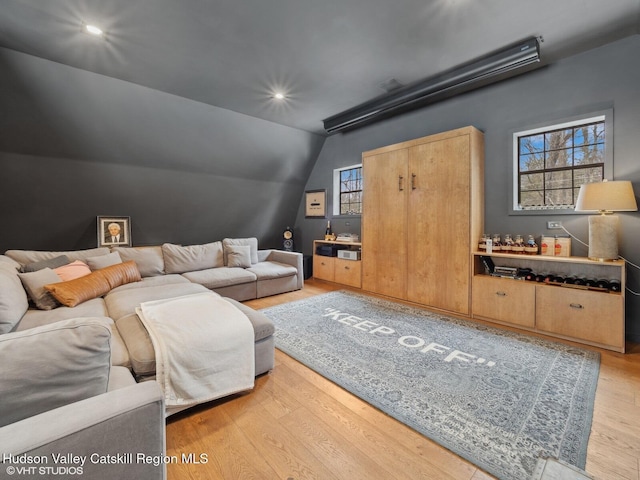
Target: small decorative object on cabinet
[573,298]
[329,265]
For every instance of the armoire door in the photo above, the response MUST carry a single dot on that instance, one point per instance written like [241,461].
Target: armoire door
[438,224]
[384,237]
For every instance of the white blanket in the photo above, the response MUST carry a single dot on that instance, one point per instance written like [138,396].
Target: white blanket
[204,348]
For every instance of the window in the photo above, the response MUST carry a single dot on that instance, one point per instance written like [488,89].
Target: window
[551,163]
[347,190]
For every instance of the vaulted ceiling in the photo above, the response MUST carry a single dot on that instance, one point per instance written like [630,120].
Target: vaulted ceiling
[325,56]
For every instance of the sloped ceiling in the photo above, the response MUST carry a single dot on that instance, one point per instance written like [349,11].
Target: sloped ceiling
[325,56]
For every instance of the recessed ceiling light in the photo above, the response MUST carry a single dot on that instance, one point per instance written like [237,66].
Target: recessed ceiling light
[278,96]
[93,30]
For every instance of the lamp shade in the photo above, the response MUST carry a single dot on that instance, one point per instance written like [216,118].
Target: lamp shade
[616,196]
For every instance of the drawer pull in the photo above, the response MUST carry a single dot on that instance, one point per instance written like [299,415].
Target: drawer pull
[346,268]
[576,305]
[501,294]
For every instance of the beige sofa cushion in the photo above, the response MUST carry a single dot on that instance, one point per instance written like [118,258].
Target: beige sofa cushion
[179,259]
[13,297]
[221,277]
[53,366]
[251,242]
[149,259]
[24,257]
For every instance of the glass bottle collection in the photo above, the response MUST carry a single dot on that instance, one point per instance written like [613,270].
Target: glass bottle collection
[494,243]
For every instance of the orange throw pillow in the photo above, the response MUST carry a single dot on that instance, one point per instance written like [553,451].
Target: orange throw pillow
[94,285]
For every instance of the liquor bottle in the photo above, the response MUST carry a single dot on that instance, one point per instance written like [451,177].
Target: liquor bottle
[497,244]
[602,283]
[507,245]
[518,245]
[614,285]
[482,244]
[531,247]
[328,234]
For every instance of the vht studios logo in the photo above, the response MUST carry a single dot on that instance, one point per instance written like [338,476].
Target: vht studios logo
[408,341]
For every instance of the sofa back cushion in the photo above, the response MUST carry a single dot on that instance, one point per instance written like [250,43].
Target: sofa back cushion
[251,242]
[148,259]
[25,257]
[13,297]
[179,259]
[53,365]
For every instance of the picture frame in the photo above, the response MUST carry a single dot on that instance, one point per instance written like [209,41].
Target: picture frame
[108,226]
[315,204]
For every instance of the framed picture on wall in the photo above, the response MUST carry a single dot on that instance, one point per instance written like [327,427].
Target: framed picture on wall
[315,204]
[114,231]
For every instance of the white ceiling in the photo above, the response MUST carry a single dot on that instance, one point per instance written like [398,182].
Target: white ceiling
[325,55]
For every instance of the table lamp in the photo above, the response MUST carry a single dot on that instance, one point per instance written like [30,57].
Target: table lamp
[606,198]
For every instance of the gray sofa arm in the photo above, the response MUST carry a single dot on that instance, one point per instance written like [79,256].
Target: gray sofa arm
[102,430]
[290,258]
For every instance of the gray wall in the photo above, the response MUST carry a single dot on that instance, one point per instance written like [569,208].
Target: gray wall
[606,77]
[75,145]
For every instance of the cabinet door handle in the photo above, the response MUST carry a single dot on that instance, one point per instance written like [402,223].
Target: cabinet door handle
[501,294]
[413,181]
[400,180]
[576,305]
[346,268]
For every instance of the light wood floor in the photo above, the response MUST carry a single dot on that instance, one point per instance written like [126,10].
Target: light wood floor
[297,425]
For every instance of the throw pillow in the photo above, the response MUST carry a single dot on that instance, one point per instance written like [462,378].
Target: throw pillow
[72,271]
[252,242]
[50,263]
[120,273]
[179,259]
[52,366]
[239,256]
[94,285]
[102,261]
[13,298]
[34,283]
[74,292]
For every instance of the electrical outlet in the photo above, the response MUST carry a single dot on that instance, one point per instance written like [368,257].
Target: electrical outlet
[554,225]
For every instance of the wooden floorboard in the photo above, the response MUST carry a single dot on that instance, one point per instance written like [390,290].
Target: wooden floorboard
[297,425]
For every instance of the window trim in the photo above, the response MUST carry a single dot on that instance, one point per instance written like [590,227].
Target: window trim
[336,190]
[590,117]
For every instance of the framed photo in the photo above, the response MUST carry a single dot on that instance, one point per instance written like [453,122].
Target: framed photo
[315,204]
[114,231]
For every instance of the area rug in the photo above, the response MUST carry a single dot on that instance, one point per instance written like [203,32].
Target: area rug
[498,399]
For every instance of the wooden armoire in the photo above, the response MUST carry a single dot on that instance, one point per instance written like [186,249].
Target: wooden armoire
[423,207]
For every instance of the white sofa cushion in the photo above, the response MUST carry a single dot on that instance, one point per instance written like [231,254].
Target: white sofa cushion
[179,259]
[46,367]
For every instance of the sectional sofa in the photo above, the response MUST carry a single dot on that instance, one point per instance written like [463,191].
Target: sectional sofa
[77,345]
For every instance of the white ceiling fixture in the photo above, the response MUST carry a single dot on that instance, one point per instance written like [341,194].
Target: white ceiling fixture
[93,30]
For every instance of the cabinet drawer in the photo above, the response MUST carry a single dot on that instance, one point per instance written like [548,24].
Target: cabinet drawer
[504,300]
[323,267]
[593,316]
[348,272]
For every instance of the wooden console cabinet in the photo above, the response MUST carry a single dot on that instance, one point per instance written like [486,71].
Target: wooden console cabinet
[586,316]
[338,270]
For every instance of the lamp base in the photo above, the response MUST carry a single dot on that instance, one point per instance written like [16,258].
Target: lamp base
[603,238]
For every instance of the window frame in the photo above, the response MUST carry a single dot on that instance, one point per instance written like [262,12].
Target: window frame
[567,122]
[336,191]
